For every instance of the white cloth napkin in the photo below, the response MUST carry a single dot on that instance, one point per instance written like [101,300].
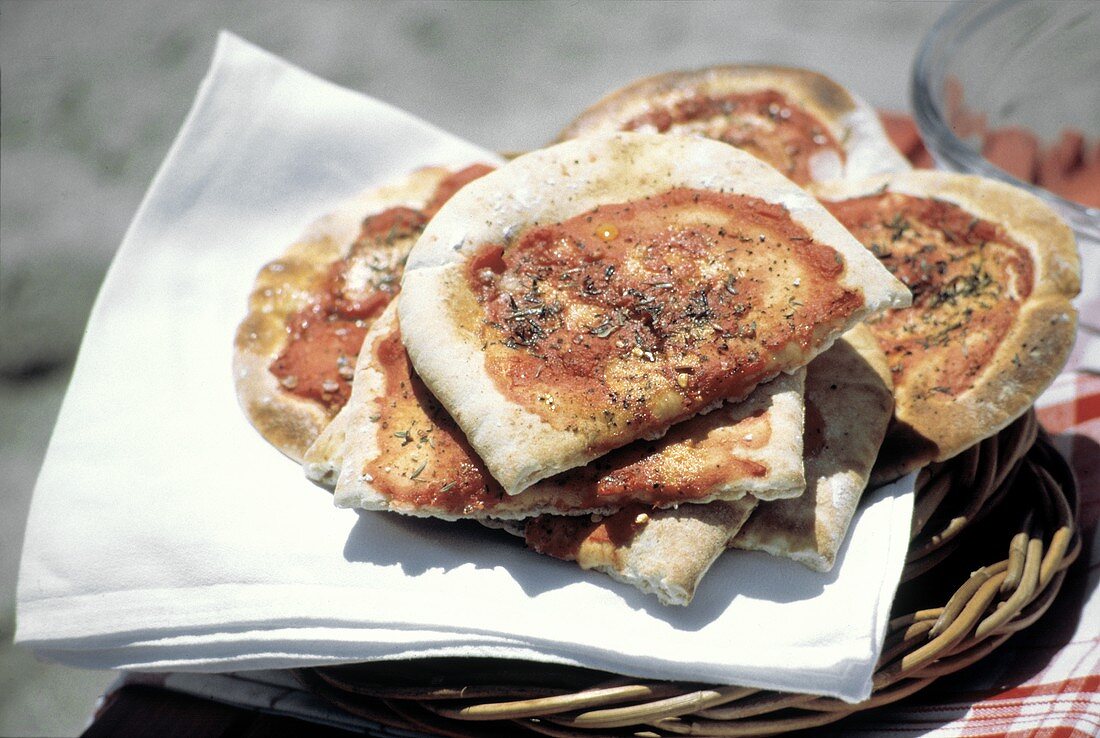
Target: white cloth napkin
[166,534]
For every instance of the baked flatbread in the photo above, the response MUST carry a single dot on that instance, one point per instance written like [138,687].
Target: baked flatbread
[599,291]
[402,452]
[848,406]
[992,270]
[801,122]
[662,552]
[295,351]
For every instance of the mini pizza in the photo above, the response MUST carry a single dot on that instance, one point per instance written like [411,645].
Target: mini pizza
[403,453]
[295,351]
[802,123]
[599,291]
[992,270]
[849,403]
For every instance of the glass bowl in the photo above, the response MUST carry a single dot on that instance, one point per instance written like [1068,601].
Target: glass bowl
[1012,68]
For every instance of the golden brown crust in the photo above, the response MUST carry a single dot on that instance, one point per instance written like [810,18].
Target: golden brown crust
[286,286]
[849,120]
[934,425]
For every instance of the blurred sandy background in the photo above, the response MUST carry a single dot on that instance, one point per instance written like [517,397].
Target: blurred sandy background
[94,92]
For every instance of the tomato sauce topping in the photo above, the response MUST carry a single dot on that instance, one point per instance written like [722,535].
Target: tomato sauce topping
[765,124]
[318,361]
[622,320]
[967,276]
[424,461]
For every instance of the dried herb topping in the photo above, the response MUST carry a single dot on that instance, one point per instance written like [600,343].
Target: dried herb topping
[967,276]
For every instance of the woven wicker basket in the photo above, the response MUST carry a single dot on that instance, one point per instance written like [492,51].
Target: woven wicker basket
[994,531]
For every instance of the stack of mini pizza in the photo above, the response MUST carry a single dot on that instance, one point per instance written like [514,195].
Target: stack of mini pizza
[687,326]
